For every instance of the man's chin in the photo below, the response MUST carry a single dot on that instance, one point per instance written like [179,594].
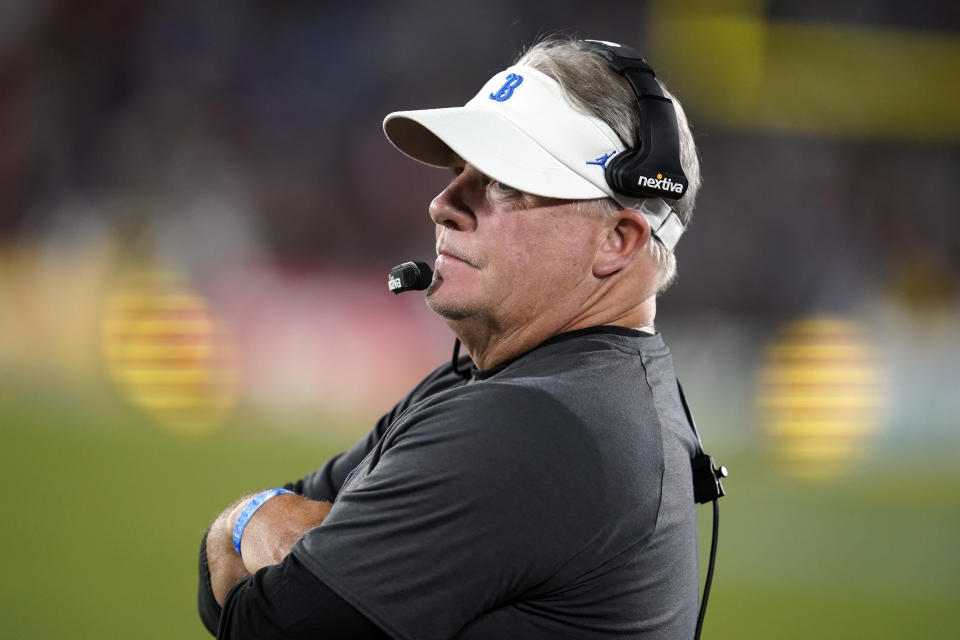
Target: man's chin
[448,309]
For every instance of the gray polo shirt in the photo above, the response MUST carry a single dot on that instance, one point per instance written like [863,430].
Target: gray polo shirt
[550,497]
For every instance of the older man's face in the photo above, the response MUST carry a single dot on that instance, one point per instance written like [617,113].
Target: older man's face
[506,258]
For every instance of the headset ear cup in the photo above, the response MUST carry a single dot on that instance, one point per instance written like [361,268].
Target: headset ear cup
[614,172]
[624,170]
[642,172]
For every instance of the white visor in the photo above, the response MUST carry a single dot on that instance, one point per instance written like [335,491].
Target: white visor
[521,130]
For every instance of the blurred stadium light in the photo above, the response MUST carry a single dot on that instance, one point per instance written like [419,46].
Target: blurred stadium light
[823,396]
[168,354]
[737,67]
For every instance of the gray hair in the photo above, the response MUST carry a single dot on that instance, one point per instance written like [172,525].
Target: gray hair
[593,87]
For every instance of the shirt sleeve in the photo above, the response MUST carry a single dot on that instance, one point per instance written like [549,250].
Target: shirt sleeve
[325,482]
[206,603]
[286,602]
[462,510]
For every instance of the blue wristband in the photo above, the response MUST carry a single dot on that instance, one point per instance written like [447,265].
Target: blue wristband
[255,503]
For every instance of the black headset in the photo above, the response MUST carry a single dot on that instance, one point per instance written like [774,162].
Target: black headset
[650,168]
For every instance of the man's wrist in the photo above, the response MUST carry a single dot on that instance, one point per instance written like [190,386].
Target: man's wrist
[274,529]
[250,508]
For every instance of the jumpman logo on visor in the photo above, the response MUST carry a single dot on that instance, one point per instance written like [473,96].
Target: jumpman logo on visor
[506,91]
[602,160]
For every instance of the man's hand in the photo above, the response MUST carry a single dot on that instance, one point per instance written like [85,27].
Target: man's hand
[281,521]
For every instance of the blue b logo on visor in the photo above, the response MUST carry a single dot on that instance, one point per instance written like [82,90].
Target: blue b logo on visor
[503,93]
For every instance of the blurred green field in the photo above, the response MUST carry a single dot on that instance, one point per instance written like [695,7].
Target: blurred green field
[103,513]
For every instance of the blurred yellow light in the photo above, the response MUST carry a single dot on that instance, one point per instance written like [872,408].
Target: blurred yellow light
[167,354]
[735,65]
[821,395]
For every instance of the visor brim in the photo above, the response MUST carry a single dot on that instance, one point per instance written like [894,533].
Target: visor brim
[489,142]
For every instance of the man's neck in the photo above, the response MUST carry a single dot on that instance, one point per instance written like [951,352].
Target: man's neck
[490,346]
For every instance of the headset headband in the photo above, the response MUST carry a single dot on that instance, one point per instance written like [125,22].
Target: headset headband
[651,168]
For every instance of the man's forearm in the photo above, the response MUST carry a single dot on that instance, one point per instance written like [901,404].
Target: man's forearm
[267,538]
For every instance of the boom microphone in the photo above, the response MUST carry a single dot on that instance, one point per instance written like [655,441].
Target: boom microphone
[409,276]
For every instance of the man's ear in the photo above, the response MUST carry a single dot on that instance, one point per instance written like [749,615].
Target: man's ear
[627,235]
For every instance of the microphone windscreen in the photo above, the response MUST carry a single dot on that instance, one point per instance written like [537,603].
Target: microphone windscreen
[425,276]
[409,276]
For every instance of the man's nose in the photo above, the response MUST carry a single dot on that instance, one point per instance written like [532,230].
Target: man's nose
[452,206]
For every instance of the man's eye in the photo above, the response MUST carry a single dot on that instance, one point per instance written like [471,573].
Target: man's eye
[504,187]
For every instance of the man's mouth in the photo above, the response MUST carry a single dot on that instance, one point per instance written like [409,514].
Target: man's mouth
[445,256]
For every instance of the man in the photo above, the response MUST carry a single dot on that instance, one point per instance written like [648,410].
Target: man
[542,490]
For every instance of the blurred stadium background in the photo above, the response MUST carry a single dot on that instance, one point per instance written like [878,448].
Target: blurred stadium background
[198,209]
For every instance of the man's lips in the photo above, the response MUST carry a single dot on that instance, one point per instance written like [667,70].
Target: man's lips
[448,264]
[448,257]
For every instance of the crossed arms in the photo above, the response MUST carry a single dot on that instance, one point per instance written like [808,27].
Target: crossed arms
[269,594]
[271,532]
